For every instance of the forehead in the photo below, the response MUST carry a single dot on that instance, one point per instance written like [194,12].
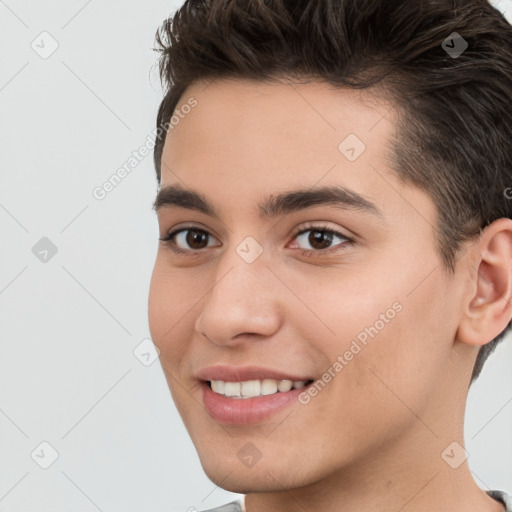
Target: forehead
[261,126]
[245,146]
[279,114]
[260,139]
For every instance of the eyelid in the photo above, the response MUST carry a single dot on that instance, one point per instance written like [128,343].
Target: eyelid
[171,234]
[320,226]
[309,226]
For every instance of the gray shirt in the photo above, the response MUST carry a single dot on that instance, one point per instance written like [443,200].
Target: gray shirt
[238,505]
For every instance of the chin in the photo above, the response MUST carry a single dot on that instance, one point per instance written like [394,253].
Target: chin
[244,481]
[270,475]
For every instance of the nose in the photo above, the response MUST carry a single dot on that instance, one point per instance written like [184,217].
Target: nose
[242,304]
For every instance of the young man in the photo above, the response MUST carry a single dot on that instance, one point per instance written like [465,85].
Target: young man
[335,261]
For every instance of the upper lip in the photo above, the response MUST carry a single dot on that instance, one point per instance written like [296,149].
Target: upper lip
[245,373]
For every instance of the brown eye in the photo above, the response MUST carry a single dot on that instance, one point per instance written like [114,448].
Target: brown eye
[321,239]
[187,240]
[196,239]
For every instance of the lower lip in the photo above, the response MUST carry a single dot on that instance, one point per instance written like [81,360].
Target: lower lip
[243,411]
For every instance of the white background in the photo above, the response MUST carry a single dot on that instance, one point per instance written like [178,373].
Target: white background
[68,327]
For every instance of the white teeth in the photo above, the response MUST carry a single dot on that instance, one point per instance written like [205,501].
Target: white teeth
[218,386]
[253,388]
[268,387]
[285,385]
[232,389]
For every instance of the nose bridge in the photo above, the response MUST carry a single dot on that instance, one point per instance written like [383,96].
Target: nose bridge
[243,271]
[242,298]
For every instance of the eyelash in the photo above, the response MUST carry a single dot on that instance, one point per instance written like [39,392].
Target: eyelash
[168,239]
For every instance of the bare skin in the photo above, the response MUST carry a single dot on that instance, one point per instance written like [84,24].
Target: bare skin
[373,438]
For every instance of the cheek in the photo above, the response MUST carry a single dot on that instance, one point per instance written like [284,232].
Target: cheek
[380,336]
[176,297]
[167,320]
[344,309]
[414,357]
[157,304]
[167,307]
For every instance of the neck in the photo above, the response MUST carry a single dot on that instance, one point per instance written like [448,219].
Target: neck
[410,476]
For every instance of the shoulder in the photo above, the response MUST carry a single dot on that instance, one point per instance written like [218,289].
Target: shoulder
[233,506]
[503,497]
[237,506]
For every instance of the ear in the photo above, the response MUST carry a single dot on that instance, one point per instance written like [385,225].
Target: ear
[488,308]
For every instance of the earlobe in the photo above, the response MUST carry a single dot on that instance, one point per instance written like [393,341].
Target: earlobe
[489,308]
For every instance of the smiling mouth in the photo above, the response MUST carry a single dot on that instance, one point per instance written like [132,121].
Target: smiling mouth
[255,388]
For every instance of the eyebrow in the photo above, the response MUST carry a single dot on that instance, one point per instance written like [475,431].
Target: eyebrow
[274,206]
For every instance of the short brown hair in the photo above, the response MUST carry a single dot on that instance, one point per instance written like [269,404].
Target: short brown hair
[454,137]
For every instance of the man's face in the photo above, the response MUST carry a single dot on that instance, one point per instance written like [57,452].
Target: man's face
[370,306]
